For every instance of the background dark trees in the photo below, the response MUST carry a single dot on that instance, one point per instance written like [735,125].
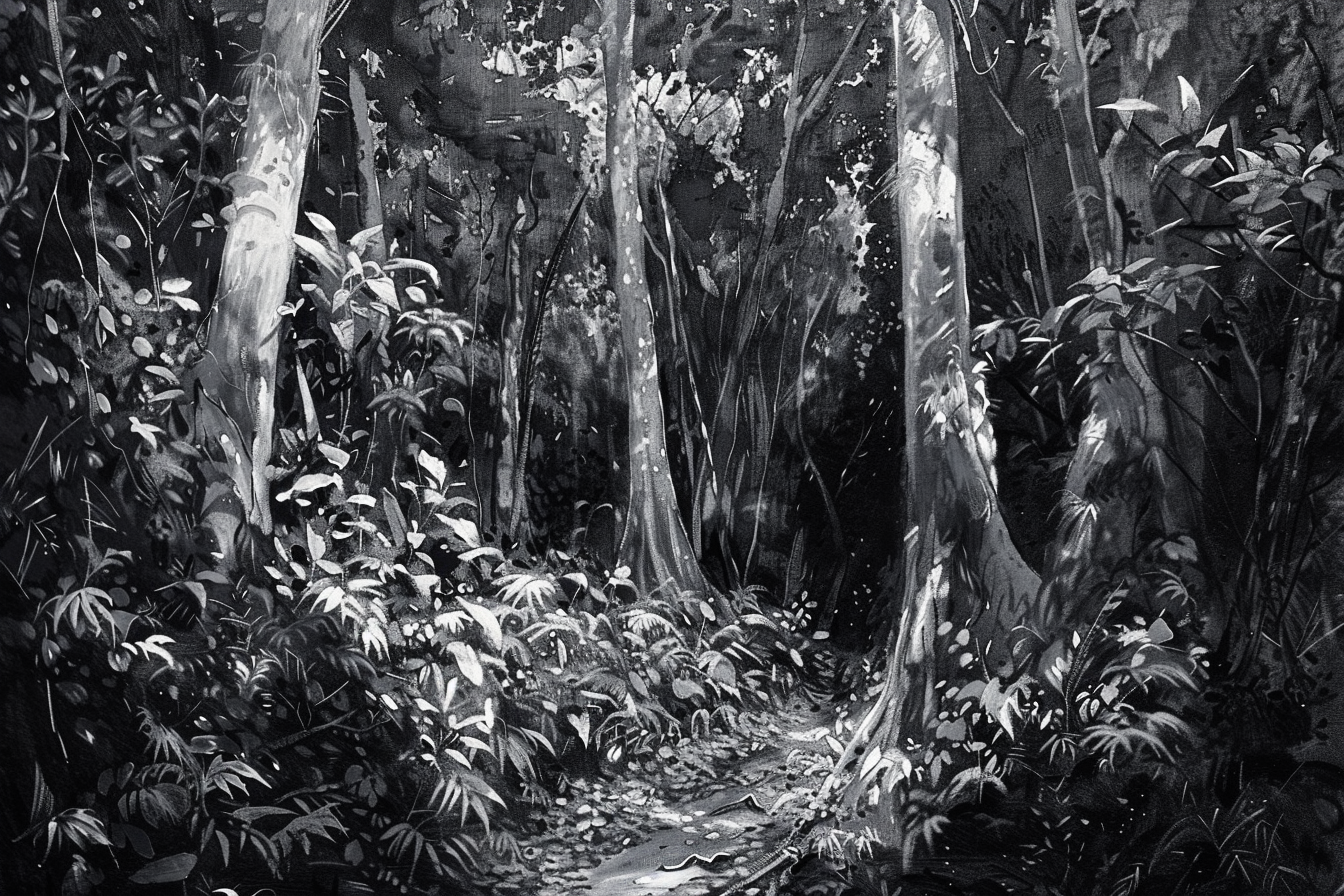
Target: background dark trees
[413,405]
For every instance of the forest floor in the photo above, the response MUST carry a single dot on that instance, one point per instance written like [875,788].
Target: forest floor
[693,820]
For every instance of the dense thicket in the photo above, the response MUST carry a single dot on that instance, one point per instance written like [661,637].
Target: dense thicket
[413,406]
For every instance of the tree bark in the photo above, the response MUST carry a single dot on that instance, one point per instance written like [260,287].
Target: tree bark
[1280,527]
[684,409]
[237,376]
[370,196]
[1072,95]
[959,557]
[1124,441]
[736,436]
[802,109]
[654,542]
[510,484]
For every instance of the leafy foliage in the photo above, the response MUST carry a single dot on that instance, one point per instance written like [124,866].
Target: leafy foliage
[389,679]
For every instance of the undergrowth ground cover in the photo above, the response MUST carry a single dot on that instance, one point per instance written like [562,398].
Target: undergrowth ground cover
[362,710]
[642,479]
[396,700]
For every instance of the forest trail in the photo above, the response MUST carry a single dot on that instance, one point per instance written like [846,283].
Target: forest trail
[694,821]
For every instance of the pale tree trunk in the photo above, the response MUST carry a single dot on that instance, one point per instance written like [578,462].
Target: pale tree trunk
[654,542]
[1130,156]
[1120,463]
[961,569]
[684,406]
[237,376]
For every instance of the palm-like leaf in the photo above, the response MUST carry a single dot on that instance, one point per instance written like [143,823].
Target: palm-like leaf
[536,592]
[435,331]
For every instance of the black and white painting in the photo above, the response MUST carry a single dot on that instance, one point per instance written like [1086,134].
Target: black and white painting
[693,447]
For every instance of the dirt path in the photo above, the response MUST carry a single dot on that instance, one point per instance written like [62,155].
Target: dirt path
[690,822]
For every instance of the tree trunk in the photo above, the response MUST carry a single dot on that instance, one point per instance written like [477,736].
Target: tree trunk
[370,196]
[736,436]
[510,481]
[959,558]
[1268,579]
[419,213]
[1124,440]
[802,110]
[237,376]
[654,542]
[684,409]
[1072,95]
[529,356]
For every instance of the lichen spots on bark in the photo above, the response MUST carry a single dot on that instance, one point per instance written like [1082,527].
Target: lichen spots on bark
[238,374]
[959,557]
[654,543]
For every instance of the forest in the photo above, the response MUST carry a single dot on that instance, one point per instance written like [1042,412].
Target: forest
[827,447]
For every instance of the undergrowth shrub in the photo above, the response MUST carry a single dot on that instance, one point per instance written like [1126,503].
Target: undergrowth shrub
[1105,768]
[377,693]
[1167,738]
